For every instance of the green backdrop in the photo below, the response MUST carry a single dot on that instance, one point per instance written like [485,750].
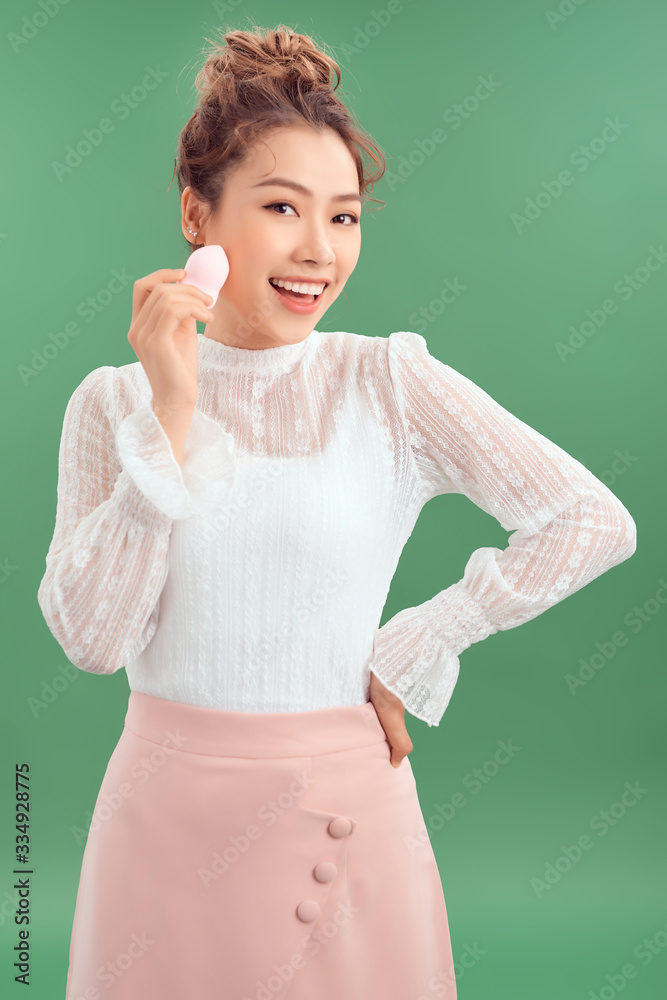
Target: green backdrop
[525,168]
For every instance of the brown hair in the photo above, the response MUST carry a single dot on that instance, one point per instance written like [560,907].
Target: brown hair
[257,82]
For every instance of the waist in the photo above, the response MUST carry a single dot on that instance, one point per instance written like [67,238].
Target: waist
[219,732]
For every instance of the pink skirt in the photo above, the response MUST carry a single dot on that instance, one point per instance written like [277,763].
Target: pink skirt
[257,856]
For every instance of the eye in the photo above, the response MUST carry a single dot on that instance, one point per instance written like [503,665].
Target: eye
[279,204]
[286,204]
[350,215]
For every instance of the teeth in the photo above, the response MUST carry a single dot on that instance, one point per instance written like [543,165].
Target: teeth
[305,289]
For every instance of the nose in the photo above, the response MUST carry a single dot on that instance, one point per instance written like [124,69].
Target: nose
[317,250]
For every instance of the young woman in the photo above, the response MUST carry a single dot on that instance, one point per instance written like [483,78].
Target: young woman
[231,510]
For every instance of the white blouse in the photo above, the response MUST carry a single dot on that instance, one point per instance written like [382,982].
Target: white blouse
[253,577]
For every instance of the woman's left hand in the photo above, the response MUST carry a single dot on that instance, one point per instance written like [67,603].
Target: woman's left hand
[391,713]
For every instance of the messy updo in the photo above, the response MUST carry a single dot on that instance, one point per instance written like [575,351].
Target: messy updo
[256,82]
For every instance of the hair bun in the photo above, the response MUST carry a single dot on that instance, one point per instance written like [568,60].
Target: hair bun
[279,54]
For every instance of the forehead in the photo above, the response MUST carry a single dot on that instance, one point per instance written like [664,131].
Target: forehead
[317,161]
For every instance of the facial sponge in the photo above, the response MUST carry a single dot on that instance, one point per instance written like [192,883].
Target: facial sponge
[208,269]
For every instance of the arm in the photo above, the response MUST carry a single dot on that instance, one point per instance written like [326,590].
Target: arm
[568,526]
[120,489]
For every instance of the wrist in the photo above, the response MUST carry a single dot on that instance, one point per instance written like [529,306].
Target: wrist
[164,408]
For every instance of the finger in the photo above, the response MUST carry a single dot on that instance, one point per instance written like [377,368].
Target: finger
[164,314]
[166,275]
[163,274]
[399,740]
[144,286]
[397,756]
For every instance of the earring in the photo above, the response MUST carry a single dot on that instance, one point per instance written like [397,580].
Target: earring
[190,231]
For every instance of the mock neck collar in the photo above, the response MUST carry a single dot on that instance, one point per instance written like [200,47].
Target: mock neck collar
[267,360]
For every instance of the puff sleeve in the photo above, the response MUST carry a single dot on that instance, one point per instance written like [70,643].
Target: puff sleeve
[568,528]
[119,491]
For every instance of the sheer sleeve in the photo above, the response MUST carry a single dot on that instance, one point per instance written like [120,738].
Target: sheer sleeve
[568,526]
[119,491]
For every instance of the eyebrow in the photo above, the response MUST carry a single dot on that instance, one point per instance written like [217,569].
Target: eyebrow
[283,182]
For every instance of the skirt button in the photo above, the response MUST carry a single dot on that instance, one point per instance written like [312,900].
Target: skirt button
[326,871]
[340,827]
[308,910]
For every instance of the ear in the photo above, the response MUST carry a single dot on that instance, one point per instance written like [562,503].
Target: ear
[190,215]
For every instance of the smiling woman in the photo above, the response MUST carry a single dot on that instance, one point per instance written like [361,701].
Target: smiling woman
[267,837]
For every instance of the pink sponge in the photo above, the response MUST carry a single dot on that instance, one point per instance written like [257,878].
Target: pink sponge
[208,269]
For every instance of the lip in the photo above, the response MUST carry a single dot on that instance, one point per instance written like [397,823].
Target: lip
[294,278]
[302,308]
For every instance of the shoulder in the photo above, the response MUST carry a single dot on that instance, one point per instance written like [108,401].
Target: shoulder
[93,390]
[383,370]
[377,366]
[110,392]
[368,352]
[384,362]
[342,342]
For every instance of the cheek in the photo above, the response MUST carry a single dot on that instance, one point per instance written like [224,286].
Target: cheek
[354,254]
[347,257]
[250,266]
[249,290]
[245,277]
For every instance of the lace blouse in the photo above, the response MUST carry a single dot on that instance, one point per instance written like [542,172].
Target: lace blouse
[253,576]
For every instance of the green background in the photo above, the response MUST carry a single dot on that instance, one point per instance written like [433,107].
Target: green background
[405,67]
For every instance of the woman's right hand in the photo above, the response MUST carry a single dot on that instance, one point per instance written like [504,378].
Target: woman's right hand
[163,335]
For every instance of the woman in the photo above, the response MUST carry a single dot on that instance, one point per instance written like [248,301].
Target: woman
[231,510]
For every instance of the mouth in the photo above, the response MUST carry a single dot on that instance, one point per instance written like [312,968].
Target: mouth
[302,298]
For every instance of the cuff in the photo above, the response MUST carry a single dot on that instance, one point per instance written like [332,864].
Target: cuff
[409,660]
[196,487]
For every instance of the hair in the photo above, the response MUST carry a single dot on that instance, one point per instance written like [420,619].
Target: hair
[259,81]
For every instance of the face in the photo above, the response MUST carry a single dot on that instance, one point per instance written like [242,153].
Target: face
[269,230]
